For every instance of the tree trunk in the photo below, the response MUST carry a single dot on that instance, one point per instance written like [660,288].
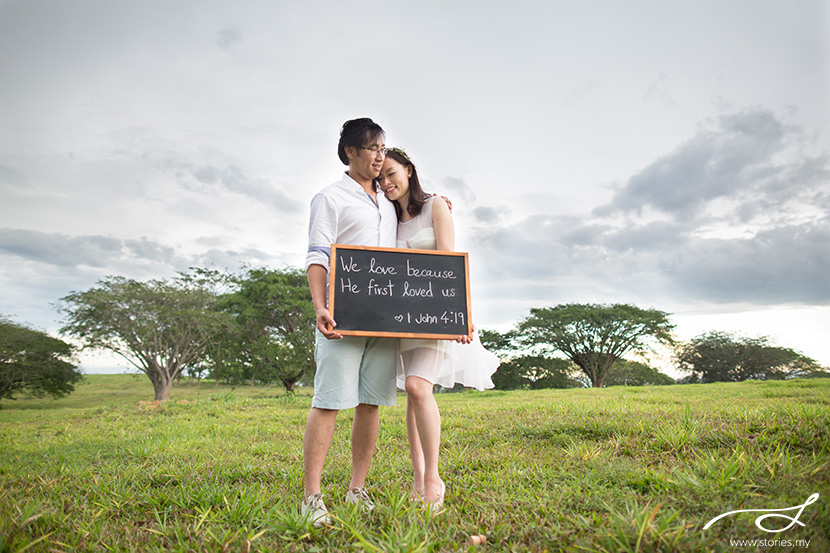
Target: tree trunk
[163,390]
[162,384]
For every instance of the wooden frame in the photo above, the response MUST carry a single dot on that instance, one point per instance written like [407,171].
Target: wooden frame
[332,294]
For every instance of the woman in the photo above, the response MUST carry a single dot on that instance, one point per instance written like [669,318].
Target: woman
[425,222]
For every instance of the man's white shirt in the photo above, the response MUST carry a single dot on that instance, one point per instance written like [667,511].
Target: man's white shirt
[343,213]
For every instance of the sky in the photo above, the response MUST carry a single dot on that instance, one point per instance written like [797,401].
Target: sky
[671,155]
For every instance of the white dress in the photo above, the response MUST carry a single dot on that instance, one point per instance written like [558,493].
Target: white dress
[443,362]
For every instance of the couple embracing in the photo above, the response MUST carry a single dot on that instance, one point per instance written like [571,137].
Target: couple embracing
[379,202]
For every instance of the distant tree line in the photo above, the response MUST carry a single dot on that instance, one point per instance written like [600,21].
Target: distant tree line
[257,326]
[592,340]
[586,344]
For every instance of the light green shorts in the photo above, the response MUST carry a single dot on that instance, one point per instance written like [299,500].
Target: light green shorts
[354,370]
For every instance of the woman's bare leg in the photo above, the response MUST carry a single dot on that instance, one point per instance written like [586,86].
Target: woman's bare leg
[428,429]
[416,452]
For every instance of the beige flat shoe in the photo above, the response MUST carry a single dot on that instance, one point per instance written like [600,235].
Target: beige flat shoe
[359,496]
[313,509]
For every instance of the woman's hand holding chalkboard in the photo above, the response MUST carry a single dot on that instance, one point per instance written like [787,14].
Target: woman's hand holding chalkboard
[466,338]
[326,324]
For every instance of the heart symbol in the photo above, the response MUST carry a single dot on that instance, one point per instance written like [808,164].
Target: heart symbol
[399,318]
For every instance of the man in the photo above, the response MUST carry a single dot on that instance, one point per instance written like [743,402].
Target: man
[352,372]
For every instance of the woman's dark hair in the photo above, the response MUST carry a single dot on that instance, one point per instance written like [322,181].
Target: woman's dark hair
[355,133]
[417,196]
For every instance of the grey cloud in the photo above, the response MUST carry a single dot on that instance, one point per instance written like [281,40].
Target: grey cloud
[457,190]
[56,263]
[490,215]
[782,265]
[654,236]
[753,164]
[660,260]
[9,175]
[119,256]
[233,259]
[728,161]
[202,178]
[530,249]
[658,91]
[49,266]
[58,249]
[226,37]
[147,249]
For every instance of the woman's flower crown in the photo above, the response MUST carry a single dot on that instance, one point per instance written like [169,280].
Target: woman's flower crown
[402,153]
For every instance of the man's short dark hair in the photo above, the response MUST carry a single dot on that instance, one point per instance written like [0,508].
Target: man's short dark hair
[356,133]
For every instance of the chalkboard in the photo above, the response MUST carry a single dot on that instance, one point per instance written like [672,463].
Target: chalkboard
[399,292]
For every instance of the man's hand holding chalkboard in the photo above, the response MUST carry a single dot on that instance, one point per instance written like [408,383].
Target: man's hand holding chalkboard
[326,324]
[317,284]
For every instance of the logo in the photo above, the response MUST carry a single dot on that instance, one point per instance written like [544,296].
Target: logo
[773,513]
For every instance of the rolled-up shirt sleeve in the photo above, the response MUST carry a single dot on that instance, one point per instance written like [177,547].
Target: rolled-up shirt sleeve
[322,231]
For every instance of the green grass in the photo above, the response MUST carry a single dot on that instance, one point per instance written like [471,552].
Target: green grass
[98,390]
[220,469]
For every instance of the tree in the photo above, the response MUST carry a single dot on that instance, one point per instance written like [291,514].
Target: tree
[160,327]
[34,363]
[277,321]
[594,336]
[543,371]
[634,373]
[517,371]
[727,357]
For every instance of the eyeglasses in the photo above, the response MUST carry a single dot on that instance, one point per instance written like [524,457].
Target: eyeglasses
[375,150]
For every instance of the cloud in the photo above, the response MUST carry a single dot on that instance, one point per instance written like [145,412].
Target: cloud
[777,266]
[38,268]
[11,176]
[738,213]
[104,255]
[457,188]
[227,37]
[206,177]
[661,261]
[60,250]
[735,160]
[490,215]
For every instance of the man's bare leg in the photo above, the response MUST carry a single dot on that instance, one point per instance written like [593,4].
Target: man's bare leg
[319,431]
[364,439]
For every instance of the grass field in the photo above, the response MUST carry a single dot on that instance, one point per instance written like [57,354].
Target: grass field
[618,469]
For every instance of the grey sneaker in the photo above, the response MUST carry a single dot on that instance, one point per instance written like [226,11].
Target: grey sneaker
[315,510]
[359,496]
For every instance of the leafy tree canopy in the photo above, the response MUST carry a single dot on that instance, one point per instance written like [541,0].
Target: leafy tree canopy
[727,357]
[634,373]
[159,326]
[518,371]
[276,319]
[34,363]
[594,336]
